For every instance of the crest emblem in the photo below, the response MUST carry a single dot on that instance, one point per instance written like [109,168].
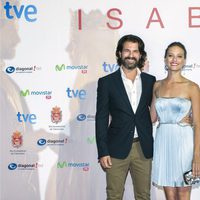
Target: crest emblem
[17,139]
[56,115]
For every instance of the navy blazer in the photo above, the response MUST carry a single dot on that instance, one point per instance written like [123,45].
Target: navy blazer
[116,120]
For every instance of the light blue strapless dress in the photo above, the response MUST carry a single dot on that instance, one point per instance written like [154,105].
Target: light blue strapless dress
[173,145]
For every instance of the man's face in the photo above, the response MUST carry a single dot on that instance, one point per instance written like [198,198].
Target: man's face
[130,55]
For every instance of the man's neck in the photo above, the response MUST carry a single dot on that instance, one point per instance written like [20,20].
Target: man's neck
[130,74]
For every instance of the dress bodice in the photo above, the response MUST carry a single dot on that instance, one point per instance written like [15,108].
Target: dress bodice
[173,109]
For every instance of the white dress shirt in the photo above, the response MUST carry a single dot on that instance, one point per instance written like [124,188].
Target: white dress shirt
[133,90]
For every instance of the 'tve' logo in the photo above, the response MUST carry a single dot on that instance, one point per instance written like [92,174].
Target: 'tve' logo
[29,12]
[31,118]
[110,67]
[81,94]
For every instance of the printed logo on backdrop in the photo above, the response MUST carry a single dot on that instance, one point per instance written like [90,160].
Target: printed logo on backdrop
[91,139]
[76,165]
[17,143]
[12,11]
[17,139]
[26,166]
[56,115]
[52,142]
[27,92]
[109,68]
[71,93]
[12,69]
[56,118]
[191,68]
[31,118]
[82,68]
[84,117]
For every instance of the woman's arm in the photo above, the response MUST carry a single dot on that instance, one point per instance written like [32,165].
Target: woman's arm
[195,98]
[152,108]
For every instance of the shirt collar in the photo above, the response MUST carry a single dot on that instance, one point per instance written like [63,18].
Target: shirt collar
[123,75]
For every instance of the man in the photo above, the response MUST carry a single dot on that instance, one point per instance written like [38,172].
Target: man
[123,123]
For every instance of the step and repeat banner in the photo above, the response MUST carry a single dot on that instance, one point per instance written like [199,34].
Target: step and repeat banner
[52,53]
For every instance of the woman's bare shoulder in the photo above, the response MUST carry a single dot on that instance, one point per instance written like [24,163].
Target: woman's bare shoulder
[191,84]
[193,87]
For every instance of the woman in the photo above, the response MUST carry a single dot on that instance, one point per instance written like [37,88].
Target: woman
[177,144]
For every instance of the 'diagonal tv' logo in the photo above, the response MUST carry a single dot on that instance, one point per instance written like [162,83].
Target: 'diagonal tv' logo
[12,166]
[10,69]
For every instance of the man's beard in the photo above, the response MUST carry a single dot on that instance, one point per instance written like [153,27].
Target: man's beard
[128,65]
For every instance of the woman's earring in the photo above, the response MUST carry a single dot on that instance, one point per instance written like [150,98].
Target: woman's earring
[166,67]
[183,67]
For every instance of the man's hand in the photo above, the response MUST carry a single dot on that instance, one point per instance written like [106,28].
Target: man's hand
[105,162]
[188,120]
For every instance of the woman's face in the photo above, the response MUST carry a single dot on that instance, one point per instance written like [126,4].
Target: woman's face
[175,59]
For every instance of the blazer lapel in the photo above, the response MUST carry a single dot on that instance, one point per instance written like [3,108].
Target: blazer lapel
[143,91]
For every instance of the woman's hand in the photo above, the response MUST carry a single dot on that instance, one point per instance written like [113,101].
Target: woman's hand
[196,166]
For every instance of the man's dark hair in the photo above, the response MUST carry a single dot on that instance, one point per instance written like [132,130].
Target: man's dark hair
[134,39]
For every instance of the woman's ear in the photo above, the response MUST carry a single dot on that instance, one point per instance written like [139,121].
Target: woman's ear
[165,61]
[166,67]
[184,63]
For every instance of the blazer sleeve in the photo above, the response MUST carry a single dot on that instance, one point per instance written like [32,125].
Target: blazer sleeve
[102,117]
